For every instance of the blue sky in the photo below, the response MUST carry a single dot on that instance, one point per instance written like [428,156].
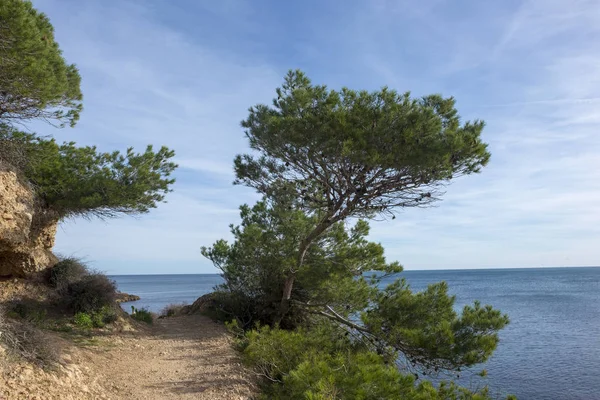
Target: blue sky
[183,74]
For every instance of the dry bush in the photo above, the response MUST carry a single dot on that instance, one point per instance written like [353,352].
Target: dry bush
[67,271]
[91,293]
[13,153]
[24,340]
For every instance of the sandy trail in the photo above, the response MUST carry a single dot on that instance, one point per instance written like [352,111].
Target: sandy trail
[186,357]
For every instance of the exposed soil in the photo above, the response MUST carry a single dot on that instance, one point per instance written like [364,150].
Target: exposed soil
[184,357]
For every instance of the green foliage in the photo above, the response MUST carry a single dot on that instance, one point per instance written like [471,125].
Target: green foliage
[326,158]
[357,153]
[81,181]
[418,330]
[425,327]
[83,320]
[67,271]
[142,315]
[96,319]
[265,247]
[91,294]
[36,81]
[105,315]
[20,310]
[322,364]
[352,154]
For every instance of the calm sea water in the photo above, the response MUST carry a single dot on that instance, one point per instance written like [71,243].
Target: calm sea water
[550,350]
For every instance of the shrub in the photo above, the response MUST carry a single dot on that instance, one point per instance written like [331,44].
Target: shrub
[26,341]
[83,320]
[98,320]
[91,294]
[109,315]
[247,311]
[66,272]
[276,352]
[29,311]
[19,310]
[105,315]
[324,363]
[171,310]
[84,291]
[143,315]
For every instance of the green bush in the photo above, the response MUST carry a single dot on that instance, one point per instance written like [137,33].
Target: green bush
[98,320]
[91,293]
[109,315]
[142,315]
[83,320]
[324,363]
[105,315]
[66,272]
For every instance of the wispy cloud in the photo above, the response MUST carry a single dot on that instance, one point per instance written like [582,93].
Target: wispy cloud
[543,102]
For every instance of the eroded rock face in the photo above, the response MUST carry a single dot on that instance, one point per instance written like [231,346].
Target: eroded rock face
[26,237]
[16,205]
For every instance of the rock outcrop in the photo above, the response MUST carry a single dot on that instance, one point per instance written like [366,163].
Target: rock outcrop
[26,236]
[126,297]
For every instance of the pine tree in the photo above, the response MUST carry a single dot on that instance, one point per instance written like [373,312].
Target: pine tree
[348,153]
[35,80]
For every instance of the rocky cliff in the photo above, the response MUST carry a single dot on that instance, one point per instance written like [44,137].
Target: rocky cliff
[26,235]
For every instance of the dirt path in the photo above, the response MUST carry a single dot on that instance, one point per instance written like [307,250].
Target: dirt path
[187,357]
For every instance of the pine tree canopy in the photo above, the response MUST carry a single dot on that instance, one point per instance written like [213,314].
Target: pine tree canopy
[357,153]
[35,80]
[82,181]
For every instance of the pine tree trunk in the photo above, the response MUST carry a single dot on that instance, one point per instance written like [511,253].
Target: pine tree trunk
[284,305]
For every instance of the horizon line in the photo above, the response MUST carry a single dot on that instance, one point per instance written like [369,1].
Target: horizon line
[405,270]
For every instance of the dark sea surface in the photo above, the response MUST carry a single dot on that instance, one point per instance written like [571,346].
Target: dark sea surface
[550,350]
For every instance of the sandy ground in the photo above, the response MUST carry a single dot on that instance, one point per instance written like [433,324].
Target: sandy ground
[186,357]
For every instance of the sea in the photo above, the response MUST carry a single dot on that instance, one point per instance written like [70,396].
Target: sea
[549,351]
